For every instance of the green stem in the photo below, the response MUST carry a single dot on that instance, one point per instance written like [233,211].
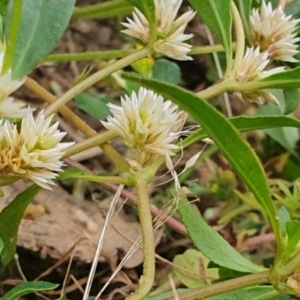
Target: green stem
[218,88]
[104,10]
[226,286]
[291,266]
[104,179]
[147,279]
[240,37]
[13,36]
[97,140]
[105,55]
[54,107]
[209,49]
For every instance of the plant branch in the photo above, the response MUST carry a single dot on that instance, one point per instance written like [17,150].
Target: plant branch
[116,158]
[147,279]
[97,140]
[240,37]
[226,286]
[69,95]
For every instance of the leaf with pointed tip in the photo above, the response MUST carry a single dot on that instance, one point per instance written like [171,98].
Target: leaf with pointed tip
[216,14]
[26,288]
[8,229]
[42,25]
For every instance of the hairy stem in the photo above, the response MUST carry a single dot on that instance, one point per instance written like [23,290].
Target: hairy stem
[226,286]
[116,158]
[13,35]
[147,279]
[69,95]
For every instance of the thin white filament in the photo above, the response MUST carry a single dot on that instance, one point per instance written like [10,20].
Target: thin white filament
[101,241]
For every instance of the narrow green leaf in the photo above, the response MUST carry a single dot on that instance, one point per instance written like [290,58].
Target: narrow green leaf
[166,71]
[236,150]
[28,288]
[3,6]
[8,229]
[211,244]
[95,106]
[1,246]
[245,124]
[291,98]
[284,80]
[284,217]
[42,25]
[216,14]
[293,233]
[147,7]
[286,137]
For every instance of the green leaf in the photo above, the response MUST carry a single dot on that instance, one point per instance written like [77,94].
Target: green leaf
[42,25]
[245,124]
[284,217]
[147,7]
[284,80]
[211,244]
[216,14]
[252,293]
[3,7]
[291,98]
[28,288]
[10,219]
[190,260]
[236,150]
[1,246]
[286,137]
[166,71]
[293,233]
[95,106]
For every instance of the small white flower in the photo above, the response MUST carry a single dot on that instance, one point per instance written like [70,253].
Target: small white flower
[273,31]
[146,123]
[253,68]
[8,107]
[7,84]
[170,31]
[34,152]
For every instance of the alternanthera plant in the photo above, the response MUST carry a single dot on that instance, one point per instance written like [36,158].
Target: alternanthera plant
[259,42]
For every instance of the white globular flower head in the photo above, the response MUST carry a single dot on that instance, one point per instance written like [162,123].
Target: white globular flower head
[34,151]
[253,67]
[273,31]
[147,123]
[170,31]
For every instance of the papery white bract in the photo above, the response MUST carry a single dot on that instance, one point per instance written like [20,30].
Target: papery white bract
[253,68]
[273,31]
[34,152]
[170,31]
[146,122]
[8,107]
